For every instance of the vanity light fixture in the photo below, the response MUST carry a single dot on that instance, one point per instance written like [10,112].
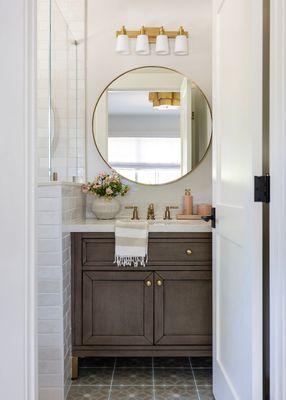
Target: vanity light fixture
[148,35]
[122,42]
[165,100]
[162,43]
[142,43]
[181,43]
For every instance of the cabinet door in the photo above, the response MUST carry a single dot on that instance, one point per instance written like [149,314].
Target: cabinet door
[117,308]
[183,308]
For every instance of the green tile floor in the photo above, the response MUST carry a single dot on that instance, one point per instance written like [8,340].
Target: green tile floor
[158,378]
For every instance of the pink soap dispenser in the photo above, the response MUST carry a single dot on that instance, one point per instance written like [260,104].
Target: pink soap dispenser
[188,203]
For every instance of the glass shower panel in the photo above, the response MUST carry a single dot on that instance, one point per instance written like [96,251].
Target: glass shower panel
[63,110]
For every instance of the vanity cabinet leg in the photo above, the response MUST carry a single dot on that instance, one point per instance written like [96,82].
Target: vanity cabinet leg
[74,374]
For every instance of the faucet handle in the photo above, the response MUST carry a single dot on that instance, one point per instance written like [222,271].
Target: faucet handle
[135,214]
[167,213]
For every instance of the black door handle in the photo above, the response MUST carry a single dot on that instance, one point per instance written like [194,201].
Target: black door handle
[211,217]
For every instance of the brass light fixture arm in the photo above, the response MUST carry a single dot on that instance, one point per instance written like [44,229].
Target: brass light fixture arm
[152,33]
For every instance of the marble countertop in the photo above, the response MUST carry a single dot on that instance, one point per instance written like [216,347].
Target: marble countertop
[160,225]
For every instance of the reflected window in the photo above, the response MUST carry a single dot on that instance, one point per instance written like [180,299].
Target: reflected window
[138,158]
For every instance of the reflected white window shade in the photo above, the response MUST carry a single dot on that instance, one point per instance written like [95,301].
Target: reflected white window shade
[138,158]
[138,150]
[148,176]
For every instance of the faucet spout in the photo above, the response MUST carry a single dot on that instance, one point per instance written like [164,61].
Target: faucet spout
[151,211]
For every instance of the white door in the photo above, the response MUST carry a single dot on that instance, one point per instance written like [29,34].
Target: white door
[186,126]
[237,146]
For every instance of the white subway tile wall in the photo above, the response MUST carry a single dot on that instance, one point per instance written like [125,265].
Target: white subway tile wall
[57,204]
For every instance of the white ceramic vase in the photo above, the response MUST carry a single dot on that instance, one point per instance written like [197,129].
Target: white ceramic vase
[105,208]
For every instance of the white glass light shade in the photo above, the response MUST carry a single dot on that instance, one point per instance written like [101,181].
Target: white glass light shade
[162,45]
[122,45]
[181,45]
[142,45]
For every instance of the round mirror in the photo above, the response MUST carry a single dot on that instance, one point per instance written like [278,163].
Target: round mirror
[152,125]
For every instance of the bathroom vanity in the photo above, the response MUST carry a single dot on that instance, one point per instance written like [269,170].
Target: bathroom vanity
[163,309]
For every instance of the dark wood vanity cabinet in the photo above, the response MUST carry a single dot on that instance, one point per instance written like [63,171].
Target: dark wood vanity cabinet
[117,308]
[162,309]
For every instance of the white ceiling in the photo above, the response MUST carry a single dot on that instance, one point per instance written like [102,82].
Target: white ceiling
[133,103]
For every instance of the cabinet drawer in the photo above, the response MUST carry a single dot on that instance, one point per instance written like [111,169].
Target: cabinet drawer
[166,250]
[180,251]
[98,252]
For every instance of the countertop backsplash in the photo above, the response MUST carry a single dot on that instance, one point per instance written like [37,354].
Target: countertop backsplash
[199,181]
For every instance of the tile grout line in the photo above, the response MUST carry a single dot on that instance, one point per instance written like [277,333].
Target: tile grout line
[142,385]
[112,376]
[191,365]
[153,379]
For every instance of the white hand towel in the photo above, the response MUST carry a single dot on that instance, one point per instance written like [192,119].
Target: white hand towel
[131,243]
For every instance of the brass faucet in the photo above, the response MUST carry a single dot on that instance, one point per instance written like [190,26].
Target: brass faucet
[151,211]
[167,213]
[135,215]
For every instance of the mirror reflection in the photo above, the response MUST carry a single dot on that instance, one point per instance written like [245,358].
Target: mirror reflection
[152,125]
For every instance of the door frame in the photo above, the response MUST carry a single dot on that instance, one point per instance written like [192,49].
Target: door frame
[20,28]
[278,199]
[17,201]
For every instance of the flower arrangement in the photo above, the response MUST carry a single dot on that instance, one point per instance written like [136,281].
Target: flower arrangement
[106,185]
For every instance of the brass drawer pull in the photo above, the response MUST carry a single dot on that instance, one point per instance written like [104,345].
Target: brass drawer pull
[159,282]
[189,252]
[148,283]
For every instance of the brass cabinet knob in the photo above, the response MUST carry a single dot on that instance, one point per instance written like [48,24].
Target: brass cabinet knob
[148,283]
[189,252]
[159,282]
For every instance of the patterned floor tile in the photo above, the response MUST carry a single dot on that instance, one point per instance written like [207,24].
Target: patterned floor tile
[204,362]
[88,393]
[133,377]
[171,362]
[203,376]
[97,362]
[94,376]
[169,376]
[175,393]
[134,362]
[206,393]
[131,392]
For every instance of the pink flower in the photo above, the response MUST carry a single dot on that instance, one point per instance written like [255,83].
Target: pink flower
[85,188]
[109,191]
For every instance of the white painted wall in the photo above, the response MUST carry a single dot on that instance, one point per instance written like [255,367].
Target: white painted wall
[103,65]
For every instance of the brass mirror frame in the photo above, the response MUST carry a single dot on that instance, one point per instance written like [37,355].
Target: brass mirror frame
[106,162]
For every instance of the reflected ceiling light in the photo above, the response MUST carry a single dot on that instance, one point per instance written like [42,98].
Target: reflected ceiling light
[181,43]
[142,43]
[165,100]
[122,42]
[162,43]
